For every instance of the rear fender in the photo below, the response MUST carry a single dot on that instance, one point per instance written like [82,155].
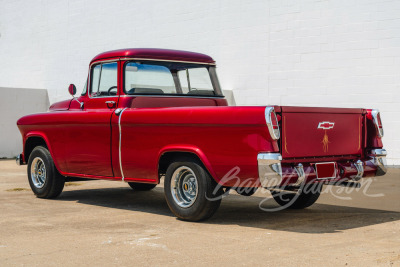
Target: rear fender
[189,149]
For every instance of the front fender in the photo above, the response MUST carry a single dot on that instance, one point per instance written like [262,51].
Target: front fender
[47,142]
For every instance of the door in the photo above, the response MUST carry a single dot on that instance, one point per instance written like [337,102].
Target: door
[90,151]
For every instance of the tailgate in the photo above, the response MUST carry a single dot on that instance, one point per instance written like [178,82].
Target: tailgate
[316,132]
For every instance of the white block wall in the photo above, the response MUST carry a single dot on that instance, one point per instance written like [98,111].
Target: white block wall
[340,53]
[15,103]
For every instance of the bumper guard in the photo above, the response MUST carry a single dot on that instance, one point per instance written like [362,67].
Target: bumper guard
[379,160]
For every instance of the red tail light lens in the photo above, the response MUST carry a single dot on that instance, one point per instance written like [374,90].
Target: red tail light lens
[272,123]
[376,117]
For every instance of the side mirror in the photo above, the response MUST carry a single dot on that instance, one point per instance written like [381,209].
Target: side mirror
[72,89]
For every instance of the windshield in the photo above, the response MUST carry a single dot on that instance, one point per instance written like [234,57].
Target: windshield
[170,78]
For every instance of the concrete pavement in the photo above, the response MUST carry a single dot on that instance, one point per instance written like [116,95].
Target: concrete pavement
[106,223]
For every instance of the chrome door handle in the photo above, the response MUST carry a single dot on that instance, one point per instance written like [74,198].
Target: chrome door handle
[110,104]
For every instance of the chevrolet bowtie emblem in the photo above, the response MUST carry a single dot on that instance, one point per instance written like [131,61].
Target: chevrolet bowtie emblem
[326,125]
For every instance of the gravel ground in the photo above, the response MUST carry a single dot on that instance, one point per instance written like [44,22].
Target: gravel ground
[105,223]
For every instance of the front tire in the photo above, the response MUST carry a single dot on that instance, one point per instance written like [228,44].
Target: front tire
[190,192]
[309,195]
[44,179]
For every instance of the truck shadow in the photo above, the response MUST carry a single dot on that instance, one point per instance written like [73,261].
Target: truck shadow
[243,211]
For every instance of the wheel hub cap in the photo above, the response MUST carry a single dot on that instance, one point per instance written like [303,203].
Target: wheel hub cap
[184,187]
[38,172]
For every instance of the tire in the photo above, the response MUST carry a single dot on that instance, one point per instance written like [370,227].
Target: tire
[246,191]
[141,186]
[46,181]
[193,194]
[309,195]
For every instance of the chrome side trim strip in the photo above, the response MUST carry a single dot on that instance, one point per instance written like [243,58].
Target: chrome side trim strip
[120,140]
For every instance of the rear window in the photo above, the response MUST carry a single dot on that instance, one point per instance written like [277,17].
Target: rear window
[146,78]
[170,78]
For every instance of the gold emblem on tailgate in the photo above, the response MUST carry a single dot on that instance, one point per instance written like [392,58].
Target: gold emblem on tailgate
[326,125]
[325,142]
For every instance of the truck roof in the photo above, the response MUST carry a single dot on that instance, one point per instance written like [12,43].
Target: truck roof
[155,53]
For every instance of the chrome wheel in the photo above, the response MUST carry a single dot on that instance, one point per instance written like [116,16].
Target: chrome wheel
[38,172]
[184,187]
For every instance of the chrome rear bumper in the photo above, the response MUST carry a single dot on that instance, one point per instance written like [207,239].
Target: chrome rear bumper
[273,174]
[270,169]
[379,160]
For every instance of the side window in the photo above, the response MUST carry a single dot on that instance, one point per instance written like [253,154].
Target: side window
[104,80]
[95,80]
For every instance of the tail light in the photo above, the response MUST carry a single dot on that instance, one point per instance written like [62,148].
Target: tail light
[376,118]
[272,123]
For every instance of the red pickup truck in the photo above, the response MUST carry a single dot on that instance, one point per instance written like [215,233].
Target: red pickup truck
[151,114]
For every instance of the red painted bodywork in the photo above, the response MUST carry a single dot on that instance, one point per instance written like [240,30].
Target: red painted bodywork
[84,142]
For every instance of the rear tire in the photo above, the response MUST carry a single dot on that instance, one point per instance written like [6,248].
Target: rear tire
[141,186]
[309,195]
[44,179]
[191,193]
